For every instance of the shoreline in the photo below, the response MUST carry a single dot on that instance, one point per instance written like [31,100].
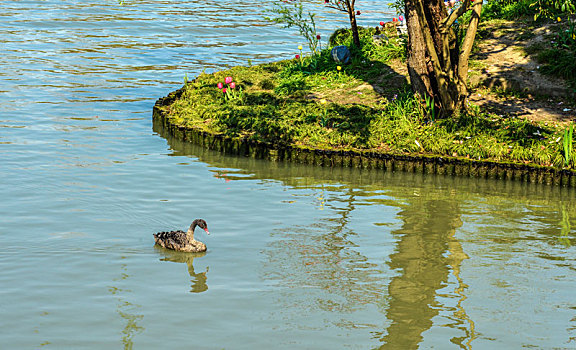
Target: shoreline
[426,164]
[309,110]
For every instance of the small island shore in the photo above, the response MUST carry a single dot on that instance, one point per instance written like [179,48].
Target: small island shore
[313,110]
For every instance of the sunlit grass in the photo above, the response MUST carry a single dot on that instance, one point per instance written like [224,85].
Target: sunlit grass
[311,104]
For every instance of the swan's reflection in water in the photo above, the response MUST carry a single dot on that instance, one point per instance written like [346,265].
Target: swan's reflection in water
[199,279]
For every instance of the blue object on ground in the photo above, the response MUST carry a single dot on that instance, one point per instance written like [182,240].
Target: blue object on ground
[341,54]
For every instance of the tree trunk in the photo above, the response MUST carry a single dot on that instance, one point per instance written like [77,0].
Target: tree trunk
[438,68]
[347,6]
[353,24]
[419,68]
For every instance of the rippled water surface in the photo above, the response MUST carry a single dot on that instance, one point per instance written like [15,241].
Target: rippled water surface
[299,257]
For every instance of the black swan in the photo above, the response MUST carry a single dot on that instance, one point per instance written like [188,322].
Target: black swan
[183,241]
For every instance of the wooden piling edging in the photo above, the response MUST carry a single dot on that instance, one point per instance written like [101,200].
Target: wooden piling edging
[362,159]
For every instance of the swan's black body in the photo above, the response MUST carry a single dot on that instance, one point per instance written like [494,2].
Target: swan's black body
[183,241]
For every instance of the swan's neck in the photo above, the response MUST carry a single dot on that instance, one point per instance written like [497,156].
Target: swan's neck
[190,233]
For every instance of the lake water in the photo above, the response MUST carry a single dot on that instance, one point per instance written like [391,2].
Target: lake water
[299,257]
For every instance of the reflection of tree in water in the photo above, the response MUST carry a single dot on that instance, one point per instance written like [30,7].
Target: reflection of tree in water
[199,280]
[565,228]
[126,310]
[427,252]
[323,256]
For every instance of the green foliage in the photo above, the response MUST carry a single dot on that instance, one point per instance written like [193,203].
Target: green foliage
[552,8]
[398,6]
[566,36]
[513,9]
[560,63]
[292,15]
[429,105]
[395,48]
[567,144]
[507,9]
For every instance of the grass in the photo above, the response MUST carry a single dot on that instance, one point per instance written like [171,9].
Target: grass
[567,143]
[366,106]
[559,63]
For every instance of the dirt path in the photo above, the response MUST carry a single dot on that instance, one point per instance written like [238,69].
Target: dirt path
[503,78]
[509,81]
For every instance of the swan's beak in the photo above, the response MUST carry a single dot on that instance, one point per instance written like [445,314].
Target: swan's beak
[206,231]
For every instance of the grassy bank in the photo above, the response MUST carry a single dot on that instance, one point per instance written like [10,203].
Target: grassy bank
[312,102]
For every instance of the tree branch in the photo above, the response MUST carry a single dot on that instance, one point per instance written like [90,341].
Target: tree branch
[337,8]
[449,21]
[469,41]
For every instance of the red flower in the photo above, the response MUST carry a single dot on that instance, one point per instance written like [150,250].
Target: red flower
[357,13]
[228,80]
[318,36]
[297,57]
[382,24]
[220,86]
[232,85]
[394,19]
[224,90]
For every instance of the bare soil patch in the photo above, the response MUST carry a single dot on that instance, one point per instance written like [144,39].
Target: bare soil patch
[507,79]
[503,79]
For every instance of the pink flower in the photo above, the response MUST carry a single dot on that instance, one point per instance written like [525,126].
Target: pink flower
[400,18]
[228,80]
[318,36]
[232,85]
[382,24]
[297,57]
[357,13]
[224,90]
[220,86]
